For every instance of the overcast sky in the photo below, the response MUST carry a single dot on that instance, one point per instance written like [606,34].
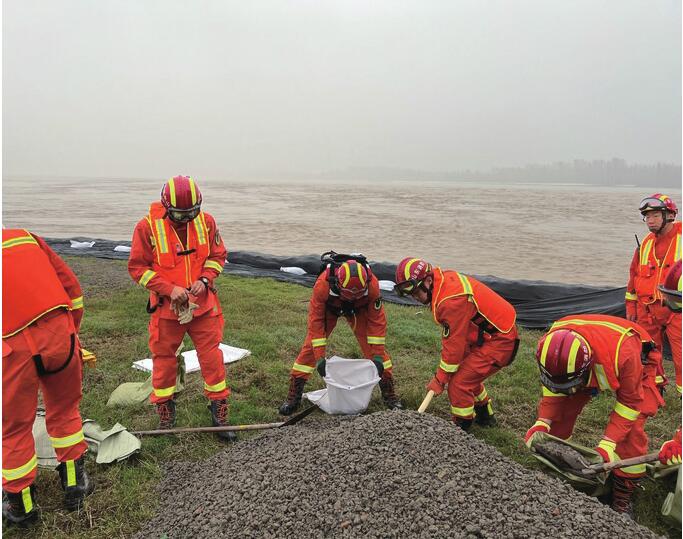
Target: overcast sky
[145,88]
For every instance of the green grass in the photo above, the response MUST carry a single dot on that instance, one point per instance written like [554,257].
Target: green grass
[269,318]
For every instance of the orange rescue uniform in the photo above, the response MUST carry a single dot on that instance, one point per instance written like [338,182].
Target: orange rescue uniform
[479,337]
[42,308]
[165,254]
[649,267]
[617,346]
[365,316]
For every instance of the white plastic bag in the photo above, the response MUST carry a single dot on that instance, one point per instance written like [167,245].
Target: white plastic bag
[293,270]
[81,244]
[349,386]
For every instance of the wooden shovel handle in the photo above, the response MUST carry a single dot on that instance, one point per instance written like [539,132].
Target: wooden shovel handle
[425,402]
[607,466]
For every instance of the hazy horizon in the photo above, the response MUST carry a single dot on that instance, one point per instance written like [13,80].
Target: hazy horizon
[224,89]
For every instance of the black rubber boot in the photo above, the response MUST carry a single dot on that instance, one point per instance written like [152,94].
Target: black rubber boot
[76,483]
[166,412]
[386,386]
[464,424]
[219,418]
[622,494]
[484,415]
[19,508]
[296,389]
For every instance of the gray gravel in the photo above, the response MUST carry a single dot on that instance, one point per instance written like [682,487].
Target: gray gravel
[388,474]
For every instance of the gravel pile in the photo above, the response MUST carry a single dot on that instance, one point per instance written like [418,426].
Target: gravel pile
[388,474]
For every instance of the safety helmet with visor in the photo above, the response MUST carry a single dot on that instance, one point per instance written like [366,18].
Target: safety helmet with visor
[352,280]
[182,199]
[410,274]
[564,361]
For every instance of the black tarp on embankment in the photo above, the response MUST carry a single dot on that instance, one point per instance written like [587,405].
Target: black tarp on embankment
[538,303]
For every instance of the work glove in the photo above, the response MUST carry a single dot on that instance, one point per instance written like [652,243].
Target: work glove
[670,453]
[631,310]
[320,367]
[606,450]
[379,365]
[184,311]
[435,386]
[539,426]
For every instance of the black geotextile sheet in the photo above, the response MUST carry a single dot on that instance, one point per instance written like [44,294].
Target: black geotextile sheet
[538,303]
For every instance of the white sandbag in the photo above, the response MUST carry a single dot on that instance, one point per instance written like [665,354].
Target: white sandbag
[122,249]
[349,386]
[81,244]
[293,269]
[230,355]
[387,285]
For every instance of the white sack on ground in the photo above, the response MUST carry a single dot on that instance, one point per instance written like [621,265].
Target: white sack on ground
[387,285]
[122,249]
[230,355]
[349,386]
[81,244]
[294,270]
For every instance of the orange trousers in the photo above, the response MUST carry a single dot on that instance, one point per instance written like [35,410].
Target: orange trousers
[658,320]
[165,336]
[466,387]
[305,362]
[53,337]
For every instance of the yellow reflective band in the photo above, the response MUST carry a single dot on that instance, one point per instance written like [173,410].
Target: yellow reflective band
[359,269]
[548,393]
[146,277]
[573,350]
[606,444]
[161,234]
[10,474]
[67,441]
[201,231]
[319,342]
[21,240]
[636,469]
[546,345]
[540,423]
[193,190]
[77,303]
[164,391]
[303,368]
[387,364]
[631,296]
[578,322]
[467,288]
[171,190]
[659,379]
[220,386]
[347,272]
[448,367]
[626,412]
[678,388]
[211,264]
[482,396]
[677,254]
[462,412]
[70,473]
[376,340]
[26,499]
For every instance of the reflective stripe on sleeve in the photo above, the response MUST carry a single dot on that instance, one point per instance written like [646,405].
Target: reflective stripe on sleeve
[77,303]
[146,277]
[448,367]
[212,264]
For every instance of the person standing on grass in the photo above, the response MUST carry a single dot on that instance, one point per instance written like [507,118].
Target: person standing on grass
[42,309]
[583,355]
[651,262]
[176,254]
[479,335]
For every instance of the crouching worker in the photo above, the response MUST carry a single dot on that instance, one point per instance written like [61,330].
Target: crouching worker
[42,308]
[176,254]
[580,357]
[346,288]
[479,336]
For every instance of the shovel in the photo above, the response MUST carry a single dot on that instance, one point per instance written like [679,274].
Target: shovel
[258,426]
[568,458]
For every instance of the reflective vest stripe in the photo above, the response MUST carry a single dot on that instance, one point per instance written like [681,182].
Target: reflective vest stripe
[626,412]
[372,339]
[466,286]
[645,249]
[302,368]
[602,377]
[21,240]
[200,227]
[10,474]
[319,342]
[462,412]
[77,303]
[211,264]
[164,391]
[67,441]
[220,386]
[448,367]
[146,277]
[162,241]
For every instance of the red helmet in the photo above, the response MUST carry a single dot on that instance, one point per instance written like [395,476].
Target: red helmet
[658,202]
[671,288]
[410,273]
[564,359]
[352,280]
[182,198]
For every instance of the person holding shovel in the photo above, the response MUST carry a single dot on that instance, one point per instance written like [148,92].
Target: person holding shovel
[176,254]
[583,355]
[479,335]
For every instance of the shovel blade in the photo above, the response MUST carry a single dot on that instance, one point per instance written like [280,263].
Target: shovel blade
[562,456]
[299,416]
